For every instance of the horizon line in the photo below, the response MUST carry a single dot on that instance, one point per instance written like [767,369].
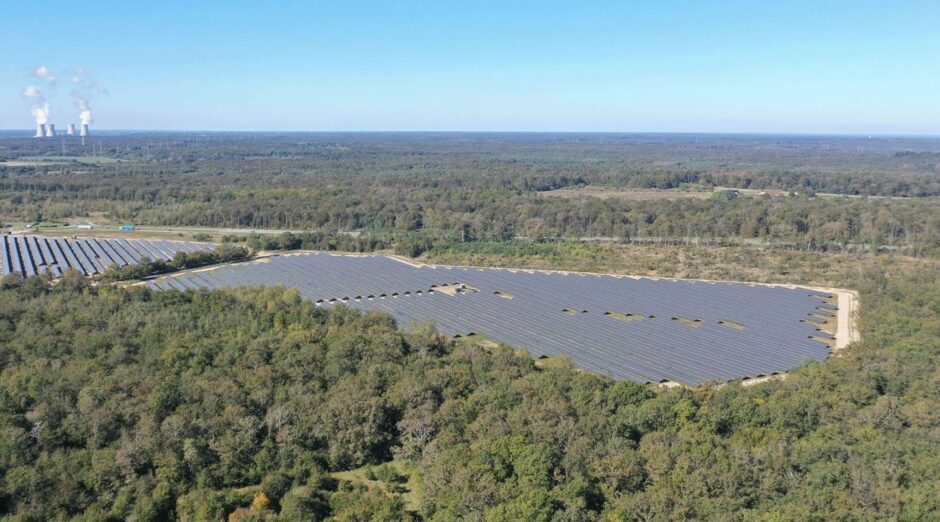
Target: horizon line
[544,132]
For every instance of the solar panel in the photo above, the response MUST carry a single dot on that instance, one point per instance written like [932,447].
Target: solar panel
[70,259]
[30,255]
[26,256]
[684,331]
[14,250]
[642,329]
[7,265]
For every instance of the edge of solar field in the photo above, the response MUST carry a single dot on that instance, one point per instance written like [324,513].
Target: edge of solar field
[225,277]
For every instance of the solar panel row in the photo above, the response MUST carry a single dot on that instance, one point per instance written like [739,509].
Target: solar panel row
[640,329]
[33,255]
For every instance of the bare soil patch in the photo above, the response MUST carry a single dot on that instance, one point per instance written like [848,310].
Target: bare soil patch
[630,194]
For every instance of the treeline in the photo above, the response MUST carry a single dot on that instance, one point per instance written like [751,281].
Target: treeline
[406,244]
[811,224]
[225,253]
[123,404]
[458,214]
[486,187]
[846,165]
[344,242]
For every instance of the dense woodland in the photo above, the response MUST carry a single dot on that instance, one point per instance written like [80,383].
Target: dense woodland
[118,403]
[487,187]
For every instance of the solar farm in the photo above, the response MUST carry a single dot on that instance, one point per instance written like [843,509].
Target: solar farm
[29,255]
[641,329]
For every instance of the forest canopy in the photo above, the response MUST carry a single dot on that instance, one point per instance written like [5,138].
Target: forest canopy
[490,187]
[125,403]
[118,403]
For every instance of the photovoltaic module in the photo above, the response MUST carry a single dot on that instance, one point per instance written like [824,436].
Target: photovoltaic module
[642,329]
[29,255]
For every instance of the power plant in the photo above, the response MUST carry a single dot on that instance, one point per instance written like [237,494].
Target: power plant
[84,89]
[47,130]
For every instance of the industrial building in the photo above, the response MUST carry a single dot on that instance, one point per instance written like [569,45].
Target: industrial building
[47,130]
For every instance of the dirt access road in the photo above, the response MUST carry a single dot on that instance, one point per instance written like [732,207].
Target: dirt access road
[847,332]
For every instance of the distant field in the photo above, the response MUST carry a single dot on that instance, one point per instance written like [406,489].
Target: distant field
[24,163]
[644,194]
[632,194]
[112,231]
[58,160]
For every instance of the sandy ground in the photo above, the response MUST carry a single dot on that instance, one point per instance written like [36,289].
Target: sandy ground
[847,318]
[846,333]
[16,163]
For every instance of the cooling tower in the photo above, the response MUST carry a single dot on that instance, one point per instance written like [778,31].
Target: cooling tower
[71,130]
[50,130]
[84,131]
[40,130]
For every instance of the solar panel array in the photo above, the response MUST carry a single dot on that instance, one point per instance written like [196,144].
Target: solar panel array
[641,329]
[32,255]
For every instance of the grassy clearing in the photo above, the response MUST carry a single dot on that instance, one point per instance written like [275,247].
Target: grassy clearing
[395,478]
[111,231]
[51,225]
[627,318]
[84,160]
[740,263]
[831,326]
[33,227]
[695,323]
[477,339]
[731,324]
[546,363]
[827,342]
[639,194]
[20,163]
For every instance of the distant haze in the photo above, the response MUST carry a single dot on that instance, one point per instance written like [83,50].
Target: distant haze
[859,67]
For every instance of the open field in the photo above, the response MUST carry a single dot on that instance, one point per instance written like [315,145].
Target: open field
[738,263]
[114,232]
[38,161]
[652,194]
[626,194]
[102,226]
[393,478]
[29,163]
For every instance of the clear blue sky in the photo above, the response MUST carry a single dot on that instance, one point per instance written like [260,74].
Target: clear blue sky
[757,66]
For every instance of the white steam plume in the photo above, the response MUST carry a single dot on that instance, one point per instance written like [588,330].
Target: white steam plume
[84,89]
[38,105]
[44,73]
[84,112]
